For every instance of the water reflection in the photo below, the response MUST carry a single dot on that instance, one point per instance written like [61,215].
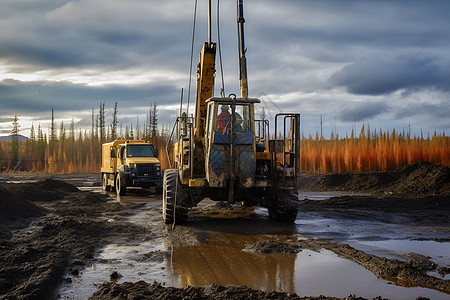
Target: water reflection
[222,261]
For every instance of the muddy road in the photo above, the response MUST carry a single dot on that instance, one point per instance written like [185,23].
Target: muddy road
[369,235]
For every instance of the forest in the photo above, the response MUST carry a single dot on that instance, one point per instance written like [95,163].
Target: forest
[68,150]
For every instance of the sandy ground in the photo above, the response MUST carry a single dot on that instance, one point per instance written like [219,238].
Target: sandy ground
[51,230]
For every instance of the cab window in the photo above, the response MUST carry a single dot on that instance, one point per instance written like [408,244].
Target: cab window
[139,151]
[243,119]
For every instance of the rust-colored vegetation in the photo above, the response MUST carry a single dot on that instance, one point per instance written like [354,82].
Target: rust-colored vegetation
[79,152]
[68,150]
[82,155]
[371,151]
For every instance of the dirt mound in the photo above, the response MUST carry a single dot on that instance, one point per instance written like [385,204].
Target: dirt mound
[32,264]
[46,190]
[13,208]
[419,179]
[272,247]
[422,178]
[143,290]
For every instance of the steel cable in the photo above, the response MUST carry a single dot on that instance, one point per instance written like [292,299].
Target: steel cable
[192,54]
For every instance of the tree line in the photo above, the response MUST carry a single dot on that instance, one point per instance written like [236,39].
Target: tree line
[67,149]
[71,150]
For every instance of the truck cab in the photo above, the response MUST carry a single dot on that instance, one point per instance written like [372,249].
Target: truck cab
[128,163]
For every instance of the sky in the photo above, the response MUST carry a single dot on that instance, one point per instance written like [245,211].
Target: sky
[383,63]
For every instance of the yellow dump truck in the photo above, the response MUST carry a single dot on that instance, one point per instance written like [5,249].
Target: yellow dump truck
[130,163]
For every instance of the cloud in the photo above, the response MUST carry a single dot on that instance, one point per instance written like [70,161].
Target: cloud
[439,110]
[314,57]
[363,111]
[384,75]
[20,97]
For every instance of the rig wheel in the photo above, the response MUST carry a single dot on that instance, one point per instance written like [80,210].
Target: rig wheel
[172,212]
[285,208]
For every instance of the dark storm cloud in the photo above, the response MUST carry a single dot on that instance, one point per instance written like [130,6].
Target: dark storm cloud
[294,47]
[34,97]
[103,34]
[439,110]
[383,75]
[363,111]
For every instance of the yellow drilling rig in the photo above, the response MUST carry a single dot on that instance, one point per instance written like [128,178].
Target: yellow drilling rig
[224,154]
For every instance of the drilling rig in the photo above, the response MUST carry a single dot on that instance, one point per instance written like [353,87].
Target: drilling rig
[224,154]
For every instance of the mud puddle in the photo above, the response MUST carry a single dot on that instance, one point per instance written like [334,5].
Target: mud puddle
[119,263]
[208,250]
[323,195]
[437,252]
[223,261]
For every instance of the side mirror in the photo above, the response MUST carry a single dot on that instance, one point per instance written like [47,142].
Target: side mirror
[113,153]
[156,152]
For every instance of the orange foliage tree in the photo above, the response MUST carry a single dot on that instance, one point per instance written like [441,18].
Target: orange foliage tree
[371,152]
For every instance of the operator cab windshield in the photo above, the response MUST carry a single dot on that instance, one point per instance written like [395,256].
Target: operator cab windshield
[139,151]
[242,115]
[222,128]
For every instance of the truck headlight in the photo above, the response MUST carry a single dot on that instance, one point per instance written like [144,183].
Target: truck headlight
[132,166]
[158,167]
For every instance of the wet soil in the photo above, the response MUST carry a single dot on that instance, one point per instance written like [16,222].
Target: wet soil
[417,180]
[51,231]
[70,225]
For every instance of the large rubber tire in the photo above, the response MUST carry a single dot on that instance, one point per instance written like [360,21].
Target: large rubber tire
[105,185]
[121,186]
[172,213]
[285,208]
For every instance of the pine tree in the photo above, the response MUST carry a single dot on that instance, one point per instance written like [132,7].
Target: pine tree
[149,131]
[96,129]
[53,128]
[42,143]
[114,123]
[102,125]
[15,139]
[62,132]
[92,126]
[154,123]
[127,132]
[138,130]
[32,133]
[72,131]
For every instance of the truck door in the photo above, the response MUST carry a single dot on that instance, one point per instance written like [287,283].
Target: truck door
[112,157]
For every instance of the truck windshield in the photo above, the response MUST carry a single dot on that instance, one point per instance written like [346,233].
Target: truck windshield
[139,151]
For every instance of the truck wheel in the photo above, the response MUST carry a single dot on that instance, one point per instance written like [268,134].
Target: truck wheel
[105,185]
[121,187]
[171,211]
[285,208]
